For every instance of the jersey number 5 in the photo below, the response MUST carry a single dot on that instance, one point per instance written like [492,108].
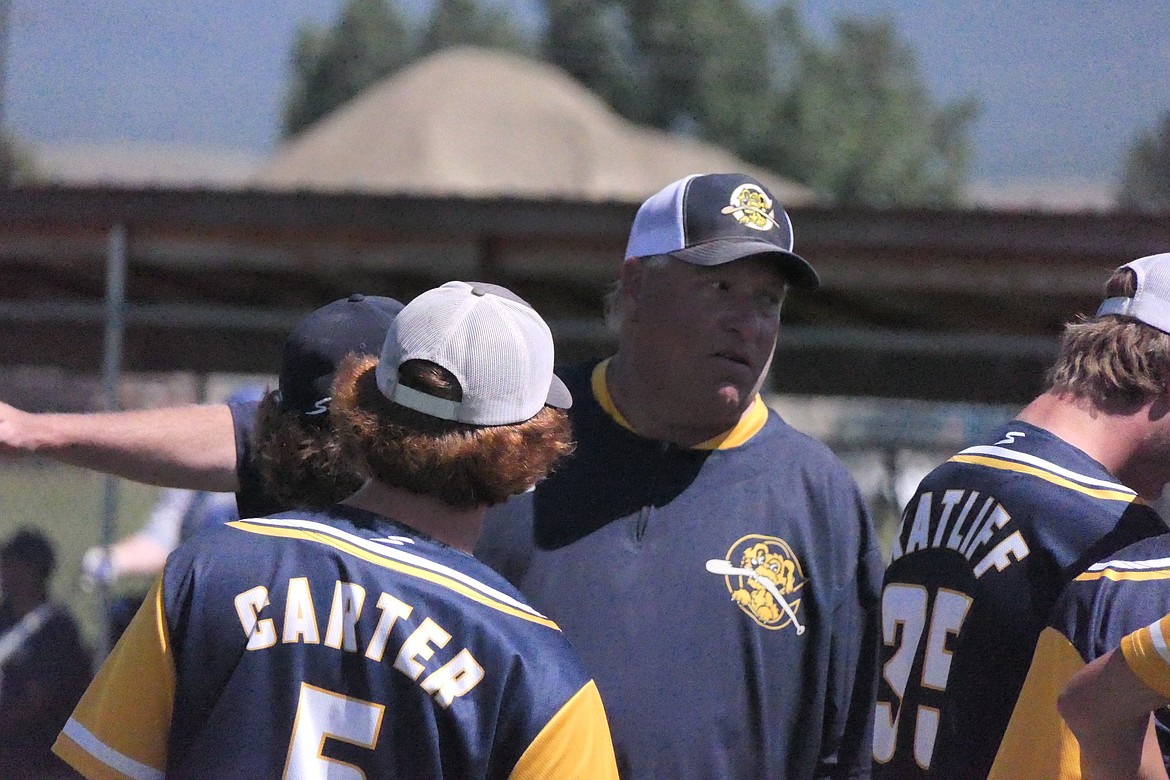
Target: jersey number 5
[906,606]
[324,714]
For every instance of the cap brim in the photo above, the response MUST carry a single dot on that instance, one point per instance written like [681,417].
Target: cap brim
[795,268]
[559,395]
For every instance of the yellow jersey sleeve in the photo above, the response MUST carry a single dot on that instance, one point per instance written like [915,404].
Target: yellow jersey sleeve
[1148,655]
[574,744]
[1037,743]
[119,728]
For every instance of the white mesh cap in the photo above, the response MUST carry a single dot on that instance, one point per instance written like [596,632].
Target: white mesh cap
[495,344]
[1151,303]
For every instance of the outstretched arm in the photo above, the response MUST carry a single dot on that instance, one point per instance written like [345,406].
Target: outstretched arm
[180,446]
[1107,707]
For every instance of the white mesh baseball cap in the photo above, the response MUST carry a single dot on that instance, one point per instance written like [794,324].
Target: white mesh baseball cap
[1151,303]
[495,344]
[716,218]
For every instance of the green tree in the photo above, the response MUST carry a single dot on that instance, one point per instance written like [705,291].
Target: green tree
[373,38]
[17,163]
[590,41]
[700,62]
[1145,184]
[330,66]
[852,118]
[455,22]
[673,64]
[739,91]
[859,125]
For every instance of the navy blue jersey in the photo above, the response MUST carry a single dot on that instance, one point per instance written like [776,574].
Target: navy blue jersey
[1127,591]
[279,647]
[252,500]
[986,545]
[724,597]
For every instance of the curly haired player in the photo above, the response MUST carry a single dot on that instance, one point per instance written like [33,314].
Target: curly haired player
[364,640]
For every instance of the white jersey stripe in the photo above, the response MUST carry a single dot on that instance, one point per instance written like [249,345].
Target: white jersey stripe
[1032,460]
[107,755]
[399,555]
[1159,640]
[1154,563]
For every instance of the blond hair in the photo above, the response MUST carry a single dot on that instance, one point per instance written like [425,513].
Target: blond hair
[1115,362]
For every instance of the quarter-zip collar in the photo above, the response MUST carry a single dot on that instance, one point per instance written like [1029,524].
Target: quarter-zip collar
[748,426]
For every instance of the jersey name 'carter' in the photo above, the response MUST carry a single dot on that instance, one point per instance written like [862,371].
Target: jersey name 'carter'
[415,655]
[964,521]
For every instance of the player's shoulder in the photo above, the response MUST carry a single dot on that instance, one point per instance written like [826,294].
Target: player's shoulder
[346,543]
[1145,560]
[799,447]
[386,551]
[1034,466]
[1118,594]
[218,550]
[1021,448]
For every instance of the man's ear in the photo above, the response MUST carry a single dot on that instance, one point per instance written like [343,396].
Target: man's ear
[1161,404]
[632,273]
[630,288]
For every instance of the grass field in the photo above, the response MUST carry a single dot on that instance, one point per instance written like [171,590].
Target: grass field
[67,504]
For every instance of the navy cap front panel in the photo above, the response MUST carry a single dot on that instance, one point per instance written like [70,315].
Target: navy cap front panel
[733,206]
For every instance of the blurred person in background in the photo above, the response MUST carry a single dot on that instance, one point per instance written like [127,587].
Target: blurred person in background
[44,665]
[176,516]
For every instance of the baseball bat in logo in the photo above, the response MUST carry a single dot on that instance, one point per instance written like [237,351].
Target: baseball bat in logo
[751,208]
[762,574]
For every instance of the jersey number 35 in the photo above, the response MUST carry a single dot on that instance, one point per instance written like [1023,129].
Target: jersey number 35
[920,644]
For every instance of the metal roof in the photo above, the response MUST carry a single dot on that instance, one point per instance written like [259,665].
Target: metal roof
[925,304]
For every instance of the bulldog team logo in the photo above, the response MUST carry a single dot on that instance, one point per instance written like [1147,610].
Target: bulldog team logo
[751,207]
[764,579]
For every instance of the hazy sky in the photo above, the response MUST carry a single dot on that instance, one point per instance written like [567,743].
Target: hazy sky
[1064,84]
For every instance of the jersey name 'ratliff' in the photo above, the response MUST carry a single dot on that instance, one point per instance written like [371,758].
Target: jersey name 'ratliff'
[985,547]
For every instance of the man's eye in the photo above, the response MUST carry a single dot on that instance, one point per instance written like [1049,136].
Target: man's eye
[770,301]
